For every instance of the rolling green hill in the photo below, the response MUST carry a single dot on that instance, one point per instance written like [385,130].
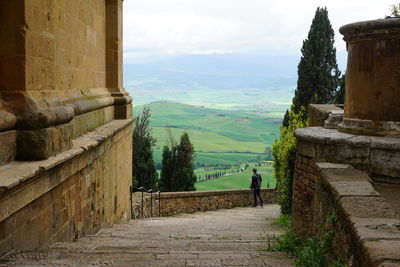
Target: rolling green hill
[220,137]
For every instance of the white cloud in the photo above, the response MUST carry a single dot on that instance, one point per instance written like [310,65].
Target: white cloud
[173,27]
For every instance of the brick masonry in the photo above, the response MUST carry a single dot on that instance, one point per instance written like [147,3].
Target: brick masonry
[304,181]
[333,193]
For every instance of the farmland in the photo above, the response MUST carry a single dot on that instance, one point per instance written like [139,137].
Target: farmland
[224,140]
[220,137]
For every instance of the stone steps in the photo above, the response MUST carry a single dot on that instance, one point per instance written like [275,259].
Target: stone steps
[234,237]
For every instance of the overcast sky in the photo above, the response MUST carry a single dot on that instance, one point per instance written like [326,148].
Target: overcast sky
[154,28]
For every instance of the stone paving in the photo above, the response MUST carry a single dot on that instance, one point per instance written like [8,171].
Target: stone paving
[230,237]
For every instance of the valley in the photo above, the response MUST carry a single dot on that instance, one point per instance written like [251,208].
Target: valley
[223,139]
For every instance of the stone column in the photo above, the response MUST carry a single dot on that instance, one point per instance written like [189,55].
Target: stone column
[372,101]
[60,74]
[114,59]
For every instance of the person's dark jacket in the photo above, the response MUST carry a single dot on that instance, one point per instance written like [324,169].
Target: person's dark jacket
[256,181]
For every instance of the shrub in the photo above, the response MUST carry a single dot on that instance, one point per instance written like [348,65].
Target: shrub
[284,152]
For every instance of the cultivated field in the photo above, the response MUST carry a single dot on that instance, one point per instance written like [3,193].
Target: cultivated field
[240,180]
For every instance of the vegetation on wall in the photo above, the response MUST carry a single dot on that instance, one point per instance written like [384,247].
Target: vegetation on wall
[308,252]
[284,152]
[143,168]
[177,173]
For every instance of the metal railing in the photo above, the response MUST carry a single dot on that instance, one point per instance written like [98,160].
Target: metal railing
[142,189]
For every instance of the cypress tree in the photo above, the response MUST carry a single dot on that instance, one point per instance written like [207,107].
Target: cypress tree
[318,72]
[317,83]
[144,172]
[166,183]
[177,173]
[339,95]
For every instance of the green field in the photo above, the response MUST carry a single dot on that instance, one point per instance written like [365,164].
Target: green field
[220,137]
[206,141]
[238,180]
[214,159]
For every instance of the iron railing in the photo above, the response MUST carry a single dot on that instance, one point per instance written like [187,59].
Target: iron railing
[142,189]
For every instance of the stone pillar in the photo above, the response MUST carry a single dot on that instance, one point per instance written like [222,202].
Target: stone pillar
[372,101]
[60,74]
[114,58]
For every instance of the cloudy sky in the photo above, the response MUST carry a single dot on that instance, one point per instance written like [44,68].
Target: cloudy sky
[154,28]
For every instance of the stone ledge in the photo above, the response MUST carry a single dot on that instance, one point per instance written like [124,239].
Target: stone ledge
[318,114]
[15,175]
[377,155]
[373,225]
[167,195]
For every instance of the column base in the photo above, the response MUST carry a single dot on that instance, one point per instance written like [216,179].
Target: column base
[369,127]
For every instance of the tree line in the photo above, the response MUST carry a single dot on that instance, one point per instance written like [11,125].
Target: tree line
[177,172]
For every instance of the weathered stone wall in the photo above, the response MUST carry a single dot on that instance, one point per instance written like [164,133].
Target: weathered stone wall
[304,195]
[60,60]
[65,197]
[339,197]
[188,202]
[363,225]
[65,121]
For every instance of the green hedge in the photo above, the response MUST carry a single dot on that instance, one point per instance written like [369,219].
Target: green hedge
[284,152]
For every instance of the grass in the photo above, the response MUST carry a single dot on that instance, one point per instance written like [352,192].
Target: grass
[208,141]
[240,180]
[308,252]
[241,126]
[214,132]
[220,137]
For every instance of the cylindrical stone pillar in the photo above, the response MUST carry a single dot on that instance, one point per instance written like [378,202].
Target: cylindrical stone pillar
[372,99]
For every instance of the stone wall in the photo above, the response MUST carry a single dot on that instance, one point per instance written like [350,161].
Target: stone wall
[334,192]
[187,202]
[304,181]
[65,121]
[363,225]
[65,197]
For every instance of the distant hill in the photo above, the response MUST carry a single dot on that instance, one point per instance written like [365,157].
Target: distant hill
[217,80]
[228,80]
[219,136]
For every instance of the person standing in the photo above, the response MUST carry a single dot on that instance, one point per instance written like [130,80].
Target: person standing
[256,186]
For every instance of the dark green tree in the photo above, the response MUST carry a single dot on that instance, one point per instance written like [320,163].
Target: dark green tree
[177,173]
[339,94]
[143,168]
[167,172]
[318,72]
[285,121]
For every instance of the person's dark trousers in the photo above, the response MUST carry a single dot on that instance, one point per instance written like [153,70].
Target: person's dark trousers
[256,192]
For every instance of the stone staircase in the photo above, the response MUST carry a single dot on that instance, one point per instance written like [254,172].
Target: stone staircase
[227,237]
